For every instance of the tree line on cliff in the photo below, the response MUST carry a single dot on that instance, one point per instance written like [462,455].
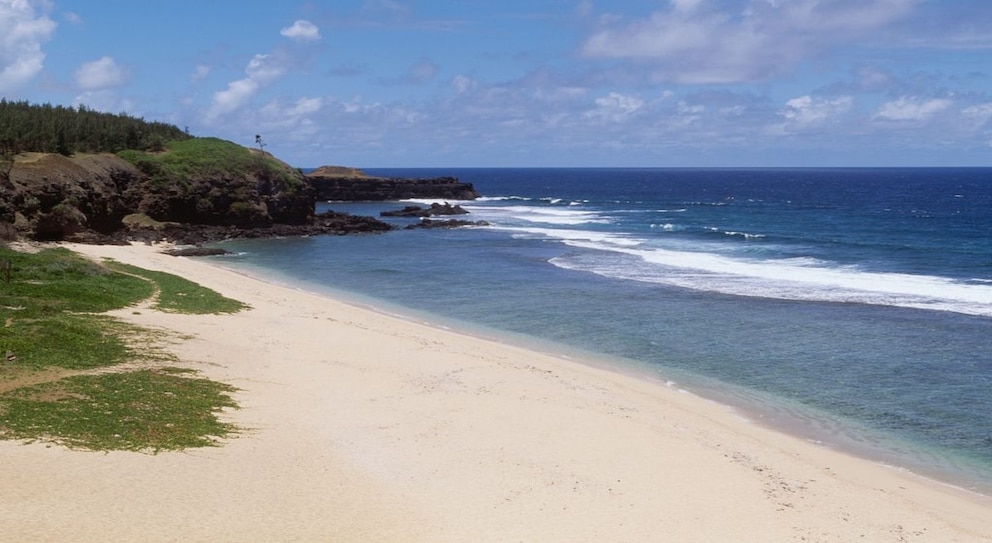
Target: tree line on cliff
[66,130]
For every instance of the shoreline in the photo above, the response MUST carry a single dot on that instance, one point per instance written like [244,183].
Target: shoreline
[768,412]
[369,426]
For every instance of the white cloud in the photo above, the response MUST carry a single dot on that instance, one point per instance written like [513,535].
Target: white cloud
[980,113]
[912,109]
[237,95]
[807,111]
[261,70]
[104,100]
[462,83]
[305,106]
[264,69]
[100,74]
[616,107]
[704,41]
[22,32]
[301,30]
[290,123]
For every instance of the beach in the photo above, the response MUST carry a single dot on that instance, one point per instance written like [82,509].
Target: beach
[363,426]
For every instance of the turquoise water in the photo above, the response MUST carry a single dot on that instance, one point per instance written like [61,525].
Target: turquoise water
[851,306]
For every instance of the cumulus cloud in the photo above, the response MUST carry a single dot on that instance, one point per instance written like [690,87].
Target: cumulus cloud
[261,70]
[807,111]
[979,113]
[301,30]
[912,109]
[704,41]
[22,33]
[237,95]
[265,69]
[616,107]
[295,121]
[100,74]
[103,100]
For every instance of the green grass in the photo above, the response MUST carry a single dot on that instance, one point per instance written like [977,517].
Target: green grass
[50,320]
[68,341]
[146,410]
[207,157]
[178,295]
[56,280]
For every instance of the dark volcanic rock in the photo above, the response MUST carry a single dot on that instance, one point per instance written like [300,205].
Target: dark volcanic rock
[449,223]
[102,198]
[52,197]
[197,251]
[330,222]
[87,197]
[377,189]
[433,210]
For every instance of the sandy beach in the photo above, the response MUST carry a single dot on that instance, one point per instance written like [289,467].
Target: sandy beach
[361,426]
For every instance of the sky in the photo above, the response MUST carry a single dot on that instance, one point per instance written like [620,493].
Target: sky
[584,83]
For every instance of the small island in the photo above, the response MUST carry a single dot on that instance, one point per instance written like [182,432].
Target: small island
[342,184]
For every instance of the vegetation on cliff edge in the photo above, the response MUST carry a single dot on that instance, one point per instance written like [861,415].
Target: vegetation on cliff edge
[201,158]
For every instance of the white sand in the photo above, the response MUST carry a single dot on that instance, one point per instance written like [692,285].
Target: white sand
[366,427]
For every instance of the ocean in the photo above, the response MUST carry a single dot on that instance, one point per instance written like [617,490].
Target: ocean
[852,307]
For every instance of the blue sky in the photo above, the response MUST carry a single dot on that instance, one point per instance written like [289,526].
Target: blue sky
[376,83]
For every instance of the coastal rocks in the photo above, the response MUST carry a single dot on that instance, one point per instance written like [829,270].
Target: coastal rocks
[336,183]
[197,251]
[51,197]
[434,210]
[327,223]
[204,190]
[449,223]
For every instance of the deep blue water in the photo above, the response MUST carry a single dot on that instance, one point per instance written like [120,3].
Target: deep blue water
[852,306]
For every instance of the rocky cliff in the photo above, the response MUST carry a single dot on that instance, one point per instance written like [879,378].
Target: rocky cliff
[200,189]
[201,184]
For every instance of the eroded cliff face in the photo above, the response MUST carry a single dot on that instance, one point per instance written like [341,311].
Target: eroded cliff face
[53,197]
[208,190]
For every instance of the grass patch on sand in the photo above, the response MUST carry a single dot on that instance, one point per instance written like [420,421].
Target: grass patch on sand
[71,341]
[56,280]
[178,295]
[67,371]
[145,410]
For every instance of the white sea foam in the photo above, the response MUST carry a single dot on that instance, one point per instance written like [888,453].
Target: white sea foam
[561,216]
[503,198]
[744,235]
[793,279]
[429,201]
[605,240]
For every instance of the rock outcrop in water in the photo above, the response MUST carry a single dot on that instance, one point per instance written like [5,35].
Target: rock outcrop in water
[339,184]
[432,211]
